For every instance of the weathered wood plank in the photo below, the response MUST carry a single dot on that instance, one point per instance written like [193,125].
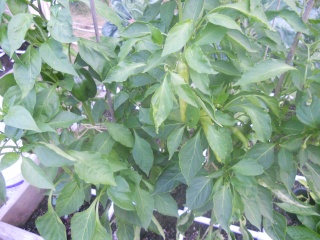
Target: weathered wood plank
[9,232]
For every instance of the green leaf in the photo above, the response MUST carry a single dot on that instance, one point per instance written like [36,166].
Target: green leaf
[8,160]
[19,117]
[167,10]
[308,110]
[17,29]
[252,211]
[47,104]
[156,35]
[49,158]
[35,175]
[302,233]
[120,134]
[102,143]
[263,153]
[83,223]
[299,209]
[60,25]
[70,199]
[123,70]
[201,81]
[50,226]
[210,34]
[292,5]
[125,231]
[64,119]
[6,82]
[241,40]
[264,200]
[174,141]
[52,53]
[225,67]
[165,204]
[191,158]
[100,233]
[197,60]
[144,205]
[276,229]
[59,151]
[135,30]
[223,21]
[178,36]
[3,192]
[293,126]
[198,192]
[193,9]
[222,207]
[142,154]
[219,141]
[27,70]
[94,168]
[248,167]
[285,160]
[162,103]
[264,70]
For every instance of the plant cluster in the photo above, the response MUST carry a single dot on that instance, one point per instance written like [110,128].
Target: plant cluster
[205,93]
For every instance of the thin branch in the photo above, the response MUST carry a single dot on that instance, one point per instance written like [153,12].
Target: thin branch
[294,45]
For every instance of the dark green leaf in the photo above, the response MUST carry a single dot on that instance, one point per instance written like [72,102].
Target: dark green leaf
[302,233]
[165,204]
[308,110]
[222,207]
[248,167]
[123,70]
[298,209]
[102,143]
[144,205]
[174,141]
[125,231]
[6,82]
[24,121]
[198,192]
[225,67]
[47,104]
[265,202]
[263,153]
[252,211]
[276,229]
[120,134]
[100,233]
[201,81]
[64,119]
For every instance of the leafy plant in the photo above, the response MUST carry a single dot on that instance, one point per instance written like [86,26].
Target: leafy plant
[209,97]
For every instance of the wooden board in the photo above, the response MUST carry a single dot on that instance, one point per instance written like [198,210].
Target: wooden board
[21,205]
[9,232]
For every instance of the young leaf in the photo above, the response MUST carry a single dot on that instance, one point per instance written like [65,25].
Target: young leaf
[64,119]
[17,29]
[50,226]
[35,175]
[222,207]
[191,158]
[24,121]
[248,167]
[178,36]
[264,70]
[144,205]
[276,229]
[162,103]
[70,199]
[83,223]
[219,141]
[165,204]
[174,141]
[8,160]
[27,70]
[120,134]
[142,154]
[198,192]
[123,70]
[197,60]
[308,110]
[223,21]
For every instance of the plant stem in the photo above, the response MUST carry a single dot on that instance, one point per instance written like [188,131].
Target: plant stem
[87,111]
[40,30]
[294,46]
[179,9]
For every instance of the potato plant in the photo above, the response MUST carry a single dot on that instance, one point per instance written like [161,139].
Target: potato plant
[207,93]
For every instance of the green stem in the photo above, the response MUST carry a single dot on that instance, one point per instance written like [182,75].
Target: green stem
[179,9]
[87,111]
[67,170]
[40,30]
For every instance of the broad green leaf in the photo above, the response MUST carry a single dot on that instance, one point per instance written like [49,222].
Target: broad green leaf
[162,103]
[24,121]
[198,192]
[288,177]
[252,211]
[52,53]
[302,233]
[169,178]
[125,231]
[191,158]
[276,229]
[17,29]
[49,158]
[119,99]
[2,7]
[285,160]
[60,24]
[292,5]
[165,204]
[8,160]
[210,34]
[219,141]
[156,35]
[174,141]
[263,153]
[83,223]
[225,67]
[154,60]
[123,70]
[264,201]
[6,82]
[102,143]
[3,193]
[223,21]
[144,205]
[240,39]
[100,233]
[135,30]
[98,109]
[47,104]
[70,199]
[222,207]
[301,209]
[264,70]
[94,168]
[50,226]
[201,81]
[142,154]
[314,154]
[120,134]
[59,151]
[27,70]
[197,60]
[293,126]
[314,170]
[35,175]
[167,10]
[308,110]
[193,9]
[4,41]
[64,119]
[156,227]
[178,36]
[248,167]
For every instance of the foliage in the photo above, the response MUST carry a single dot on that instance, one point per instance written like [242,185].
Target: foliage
[199,92]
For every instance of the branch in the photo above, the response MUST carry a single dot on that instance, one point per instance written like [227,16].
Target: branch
[294,46]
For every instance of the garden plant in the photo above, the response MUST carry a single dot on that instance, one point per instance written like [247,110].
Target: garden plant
[213,94]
